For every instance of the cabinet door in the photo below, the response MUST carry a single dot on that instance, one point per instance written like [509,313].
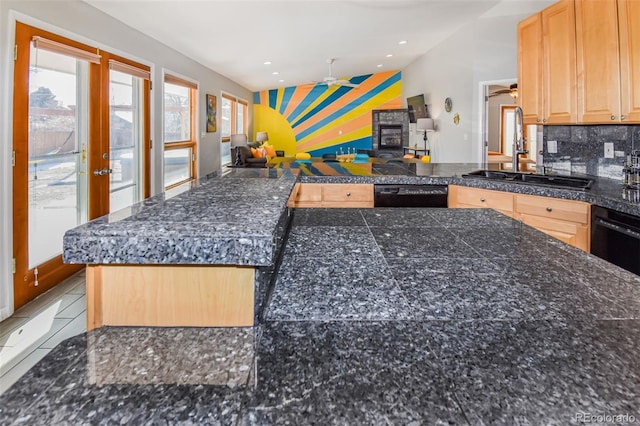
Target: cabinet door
[598,61]
[530,68]
[629,19]
[569,232]
[559,63]
[566,220]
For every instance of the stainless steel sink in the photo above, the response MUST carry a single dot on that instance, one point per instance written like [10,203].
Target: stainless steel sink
[533,179]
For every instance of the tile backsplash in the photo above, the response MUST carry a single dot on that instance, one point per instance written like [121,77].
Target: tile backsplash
[581,148]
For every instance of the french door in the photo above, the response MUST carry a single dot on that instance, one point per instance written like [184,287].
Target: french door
[73,148]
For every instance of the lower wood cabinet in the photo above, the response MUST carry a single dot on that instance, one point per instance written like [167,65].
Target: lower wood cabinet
[331,195]
[465,197]
[566,220]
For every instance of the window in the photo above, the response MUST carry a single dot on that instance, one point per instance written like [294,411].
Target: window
[234,116]
[179,130]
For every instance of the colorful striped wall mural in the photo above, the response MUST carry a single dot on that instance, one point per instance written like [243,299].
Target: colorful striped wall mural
[319,119]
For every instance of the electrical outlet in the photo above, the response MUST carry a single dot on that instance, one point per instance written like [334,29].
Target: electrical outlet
[552,147]
[608,150]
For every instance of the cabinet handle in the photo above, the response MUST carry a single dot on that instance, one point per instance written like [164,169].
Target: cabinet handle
[622,117]
[544,120]
[348,194]
[537,120]
[613,117]
[549,209]
[482,200]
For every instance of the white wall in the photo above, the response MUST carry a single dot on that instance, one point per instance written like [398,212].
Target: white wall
[485,50]
[78,20]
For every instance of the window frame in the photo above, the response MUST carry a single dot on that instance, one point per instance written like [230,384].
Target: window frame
[235,103]
[192,143]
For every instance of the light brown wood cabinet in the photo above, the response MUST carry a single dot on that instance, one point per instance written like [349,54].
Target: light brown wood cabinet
[530,68]
[606,40]
[566,220]
[465,197]
[547,76]
[628,18]
[587,62]
[331,195]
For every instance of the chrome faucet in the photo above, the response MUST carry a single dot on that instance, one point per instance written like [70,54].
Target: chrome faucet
[518,139]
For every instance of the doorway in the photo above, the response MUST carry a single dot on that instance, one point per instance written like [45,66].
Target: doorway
[498,102]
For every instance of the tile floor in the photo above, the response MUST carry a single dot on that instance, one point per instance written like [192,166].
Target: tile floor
[36,328]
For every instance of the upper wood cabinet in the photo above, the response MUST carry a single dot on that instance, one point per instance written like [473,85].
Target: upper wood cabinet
[559,63]
[629,19]
[547,77]
[608,60]
[598,61]
[530,68]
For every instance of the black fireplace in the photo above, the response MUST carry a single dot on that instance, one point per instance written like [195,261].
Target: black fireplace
[389,130]
[390,136]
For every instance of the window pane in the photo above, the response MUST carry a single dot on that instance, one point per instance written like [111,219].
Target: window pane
[226,117]
[177,120]
[177,166]
[240,121]
[125,139]
[225,153]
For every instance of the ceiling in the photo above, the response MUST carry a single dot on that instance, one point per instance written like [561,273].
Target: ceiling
[236,37]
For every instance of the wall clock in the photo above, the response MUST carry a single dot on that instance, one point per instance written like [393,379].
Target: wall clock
[448,104]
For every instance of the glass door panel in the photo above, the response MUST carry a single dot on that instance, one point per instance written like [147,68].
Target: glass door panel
[177,166]
[125,139]
[57,152]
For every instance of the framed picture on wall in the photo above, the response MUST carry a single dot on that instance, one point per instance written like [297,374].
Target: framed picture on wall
[211,113]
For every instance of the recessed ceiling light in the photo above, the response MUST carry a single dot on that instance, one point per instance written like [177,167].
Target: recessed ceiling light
[267,62]
[389,55]
[379,65]
[402,42]
[281,81]
[275,73]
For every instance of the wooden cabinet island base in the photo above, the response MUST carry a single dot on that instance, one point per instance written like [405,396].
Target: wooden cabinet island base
[170,296]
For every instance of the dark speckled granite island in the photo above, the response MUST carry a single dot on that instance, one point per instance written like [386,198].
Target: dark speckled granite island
[376,316]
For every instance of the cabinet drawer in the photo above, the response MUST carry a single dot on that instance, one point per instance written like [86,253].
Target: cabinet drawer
[473,197]
[553,208]
[347,193]
[306,195]
[331,195]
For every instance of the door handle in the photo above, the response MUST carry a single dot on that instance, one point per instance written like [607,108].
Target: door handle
[102,172]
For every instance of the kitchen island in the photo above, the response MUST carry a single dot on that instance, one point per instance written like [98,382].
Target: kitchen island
[205,256]
[198,255]
[378,316]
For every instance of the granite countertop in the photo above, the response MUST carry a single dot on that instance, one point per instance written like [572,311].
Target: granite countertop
[604,192]
[216,220]
[377,316]
[232,220]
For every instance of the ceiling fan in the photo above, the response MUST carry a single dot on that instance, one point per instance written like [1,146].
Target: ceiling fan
[333,81]
[512,90]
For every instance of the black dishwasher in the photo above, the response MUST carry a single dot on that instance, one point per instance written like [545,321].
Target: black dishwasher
[389,195]
[615,237]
